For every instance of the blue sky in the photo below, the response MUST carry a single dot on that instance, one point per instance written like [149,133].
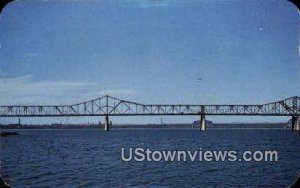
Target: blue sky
[150,51]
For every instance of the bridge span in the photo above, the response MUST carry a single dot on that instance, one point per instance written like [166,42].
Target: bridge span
[111,106]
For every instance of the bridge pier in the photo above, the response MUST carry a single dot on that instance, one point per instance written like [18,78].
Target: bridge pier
[202,123]
[295,123]
[106,123]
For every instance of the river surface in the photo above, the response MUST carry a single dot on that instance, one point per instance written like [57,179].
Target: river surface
[92,158]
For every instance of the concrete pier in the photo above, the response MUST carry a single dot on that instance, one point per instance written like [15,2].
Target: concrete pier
[202,123]
[106,123]
[295,123]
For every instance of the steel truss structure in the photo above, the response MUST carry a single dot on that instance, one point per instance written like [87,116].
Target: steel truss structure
[111,106]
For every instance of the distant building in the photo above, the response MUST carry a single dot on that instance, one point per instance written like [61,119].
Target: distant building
[208,123]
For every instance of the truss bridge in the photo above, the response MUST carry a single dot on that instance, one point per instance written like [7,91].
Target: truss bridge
[111,106]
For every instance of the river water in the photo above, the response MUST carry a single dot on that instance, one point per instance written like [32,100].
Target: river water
[92,158]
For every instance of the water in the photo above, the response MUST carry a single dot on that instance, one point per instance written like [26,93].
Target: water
[92,158]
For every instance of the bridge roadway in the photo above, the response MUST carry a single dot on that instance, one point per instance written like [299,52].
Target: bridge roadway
[111,106]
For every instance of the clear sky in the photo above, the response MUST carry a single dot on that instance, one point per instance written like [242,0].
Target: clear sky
[149,51]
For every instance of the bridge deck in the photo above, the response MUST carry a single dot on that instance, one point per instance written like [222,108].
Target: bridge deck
[112,106]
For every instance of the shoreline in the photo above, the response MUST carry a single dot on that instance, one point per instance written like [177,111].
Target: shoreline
[153,126]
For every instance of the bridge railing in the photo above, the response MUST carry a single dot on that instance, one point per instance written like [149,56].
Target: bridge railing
[112,106]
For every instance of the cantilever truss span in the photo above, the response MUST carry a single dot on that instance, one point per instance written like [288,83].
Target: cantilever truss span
[108,105]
